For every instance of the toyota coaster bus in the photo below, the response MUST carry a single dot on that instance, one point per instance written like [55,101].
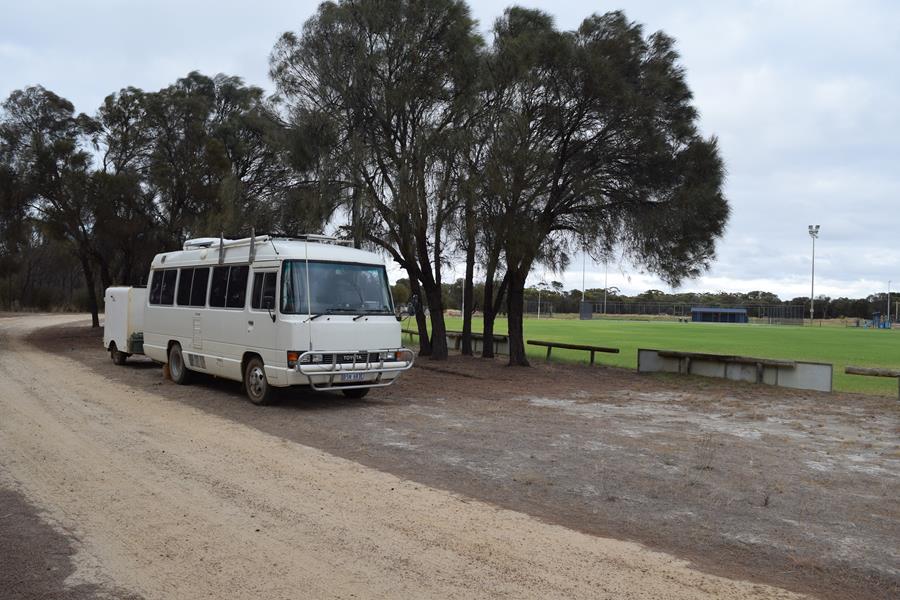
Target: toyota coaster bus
[268,312]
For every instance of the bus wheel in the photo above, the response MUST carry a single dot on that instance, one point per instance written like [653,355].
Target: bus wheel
[177,371]
[116,356]
[258,389]
[356,392]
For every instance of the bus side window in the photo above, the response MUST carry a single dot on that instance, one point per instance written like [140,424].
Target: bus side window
[268,290]
[237,287]
[198,289]
[263,287]
[167,295]
[256,298]
[155,286]
[219,287]
[184,287]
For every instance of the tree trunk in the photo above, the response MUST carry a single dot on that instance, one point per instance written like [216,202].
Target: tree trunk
[468,283]
[105,276]
[91,288]
[438,328]
[515,309]
[468,295]
[355,225]
[487,341]
[421,320]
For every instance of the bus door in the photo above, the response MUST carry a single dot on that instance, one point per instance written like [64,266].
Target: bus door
[261,316]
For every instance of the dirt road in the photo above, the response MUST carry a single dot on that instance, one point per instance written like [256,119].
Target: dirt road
[161,500]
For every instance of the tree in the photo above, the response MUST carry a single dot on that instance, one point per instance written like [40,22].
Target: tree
[12,224]
[597,146]
[396,79]
[41,139]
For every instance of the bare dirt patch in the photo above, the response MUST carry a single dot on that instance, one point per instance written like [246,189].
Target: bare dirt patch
[789,488]
[37,558]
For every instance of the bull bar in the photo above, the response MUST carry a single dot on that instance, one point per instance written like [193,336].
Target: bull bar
[367,367]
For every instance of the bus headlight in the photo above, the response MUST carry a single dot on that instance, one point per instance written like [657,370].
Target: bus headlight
[387,356]
[295,358]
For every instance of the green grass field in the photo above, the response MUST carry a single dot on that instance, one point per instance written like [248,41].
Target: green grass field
[837,345]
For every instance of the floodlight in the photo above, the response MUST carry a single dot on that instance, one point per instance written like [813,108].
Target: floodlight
[814,234]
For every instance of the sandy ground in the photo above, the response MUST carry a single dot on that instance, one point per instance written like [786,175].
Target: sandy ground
[163,500]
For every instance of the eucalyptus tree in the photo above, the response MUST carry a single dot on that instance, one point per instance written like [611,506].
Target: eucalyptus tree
[12,217]
[42,143]
[215,159]
[123,205]
[597,144]
[396,79]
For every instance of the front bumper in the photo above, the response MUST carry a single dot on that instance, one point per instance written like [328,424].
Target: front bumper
[357,374]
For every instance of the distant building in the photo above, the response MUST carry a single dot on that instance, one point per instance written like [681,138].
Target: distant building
[715,314]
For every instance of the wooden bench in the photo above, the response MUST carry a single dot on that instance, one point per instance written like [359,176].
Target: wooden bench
[875,372]
[456,336]
[454,340]
[689,357]
[592,349]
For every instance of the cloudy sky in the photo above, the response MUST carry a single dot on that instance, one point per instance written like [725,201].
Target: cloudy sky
[803,95]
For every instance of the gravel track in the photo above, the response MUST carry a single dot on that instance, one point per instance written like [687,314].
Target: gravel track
[163,500]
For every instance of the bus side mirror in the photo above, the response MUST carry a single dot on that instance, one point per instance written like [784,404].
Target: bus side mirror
[409,309]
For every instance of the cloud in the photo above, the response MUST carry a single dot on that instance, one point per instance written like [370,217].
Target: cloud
[803,96]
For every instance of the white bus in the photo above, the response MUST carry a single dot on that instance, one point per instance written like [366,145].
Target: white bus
[274,312]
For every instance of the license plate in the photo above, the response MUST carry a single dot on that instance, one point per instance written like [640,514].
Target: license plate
[346,377]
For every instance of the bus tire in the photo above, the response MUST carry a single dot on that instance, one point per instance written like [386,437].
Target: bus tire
[178,371]
[356,393]
[255,382]
[117,357]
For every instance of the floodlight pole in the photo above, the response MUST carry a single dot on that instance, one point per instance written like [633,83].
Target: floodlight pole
[605,283]
[889,300]
[813,233]
[583,268]
[539,301]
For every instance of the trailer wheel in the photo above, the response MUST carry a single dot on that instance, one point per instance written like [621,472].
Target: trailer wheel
[356,393]
[116,356]
[258,389]
[177,371]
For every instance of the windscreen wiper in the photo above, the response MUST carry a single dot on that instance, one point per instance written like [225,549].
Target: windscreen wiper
[314,317]
[373,311]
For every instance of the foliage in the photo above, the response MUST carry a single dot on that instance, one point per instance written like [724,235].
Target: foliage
[147,171]
[395,81]
[596,145]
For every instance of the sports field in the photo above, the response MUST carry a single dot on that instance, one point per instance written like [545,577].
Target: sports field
[837,345]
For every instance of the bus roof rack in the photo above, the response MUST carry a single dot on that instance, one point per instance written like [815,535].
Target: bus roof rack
[317,237]
[222,242]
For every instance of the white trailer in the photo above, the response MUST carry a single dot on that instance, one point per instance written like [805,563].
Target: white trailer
[124,322]
[269,312]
